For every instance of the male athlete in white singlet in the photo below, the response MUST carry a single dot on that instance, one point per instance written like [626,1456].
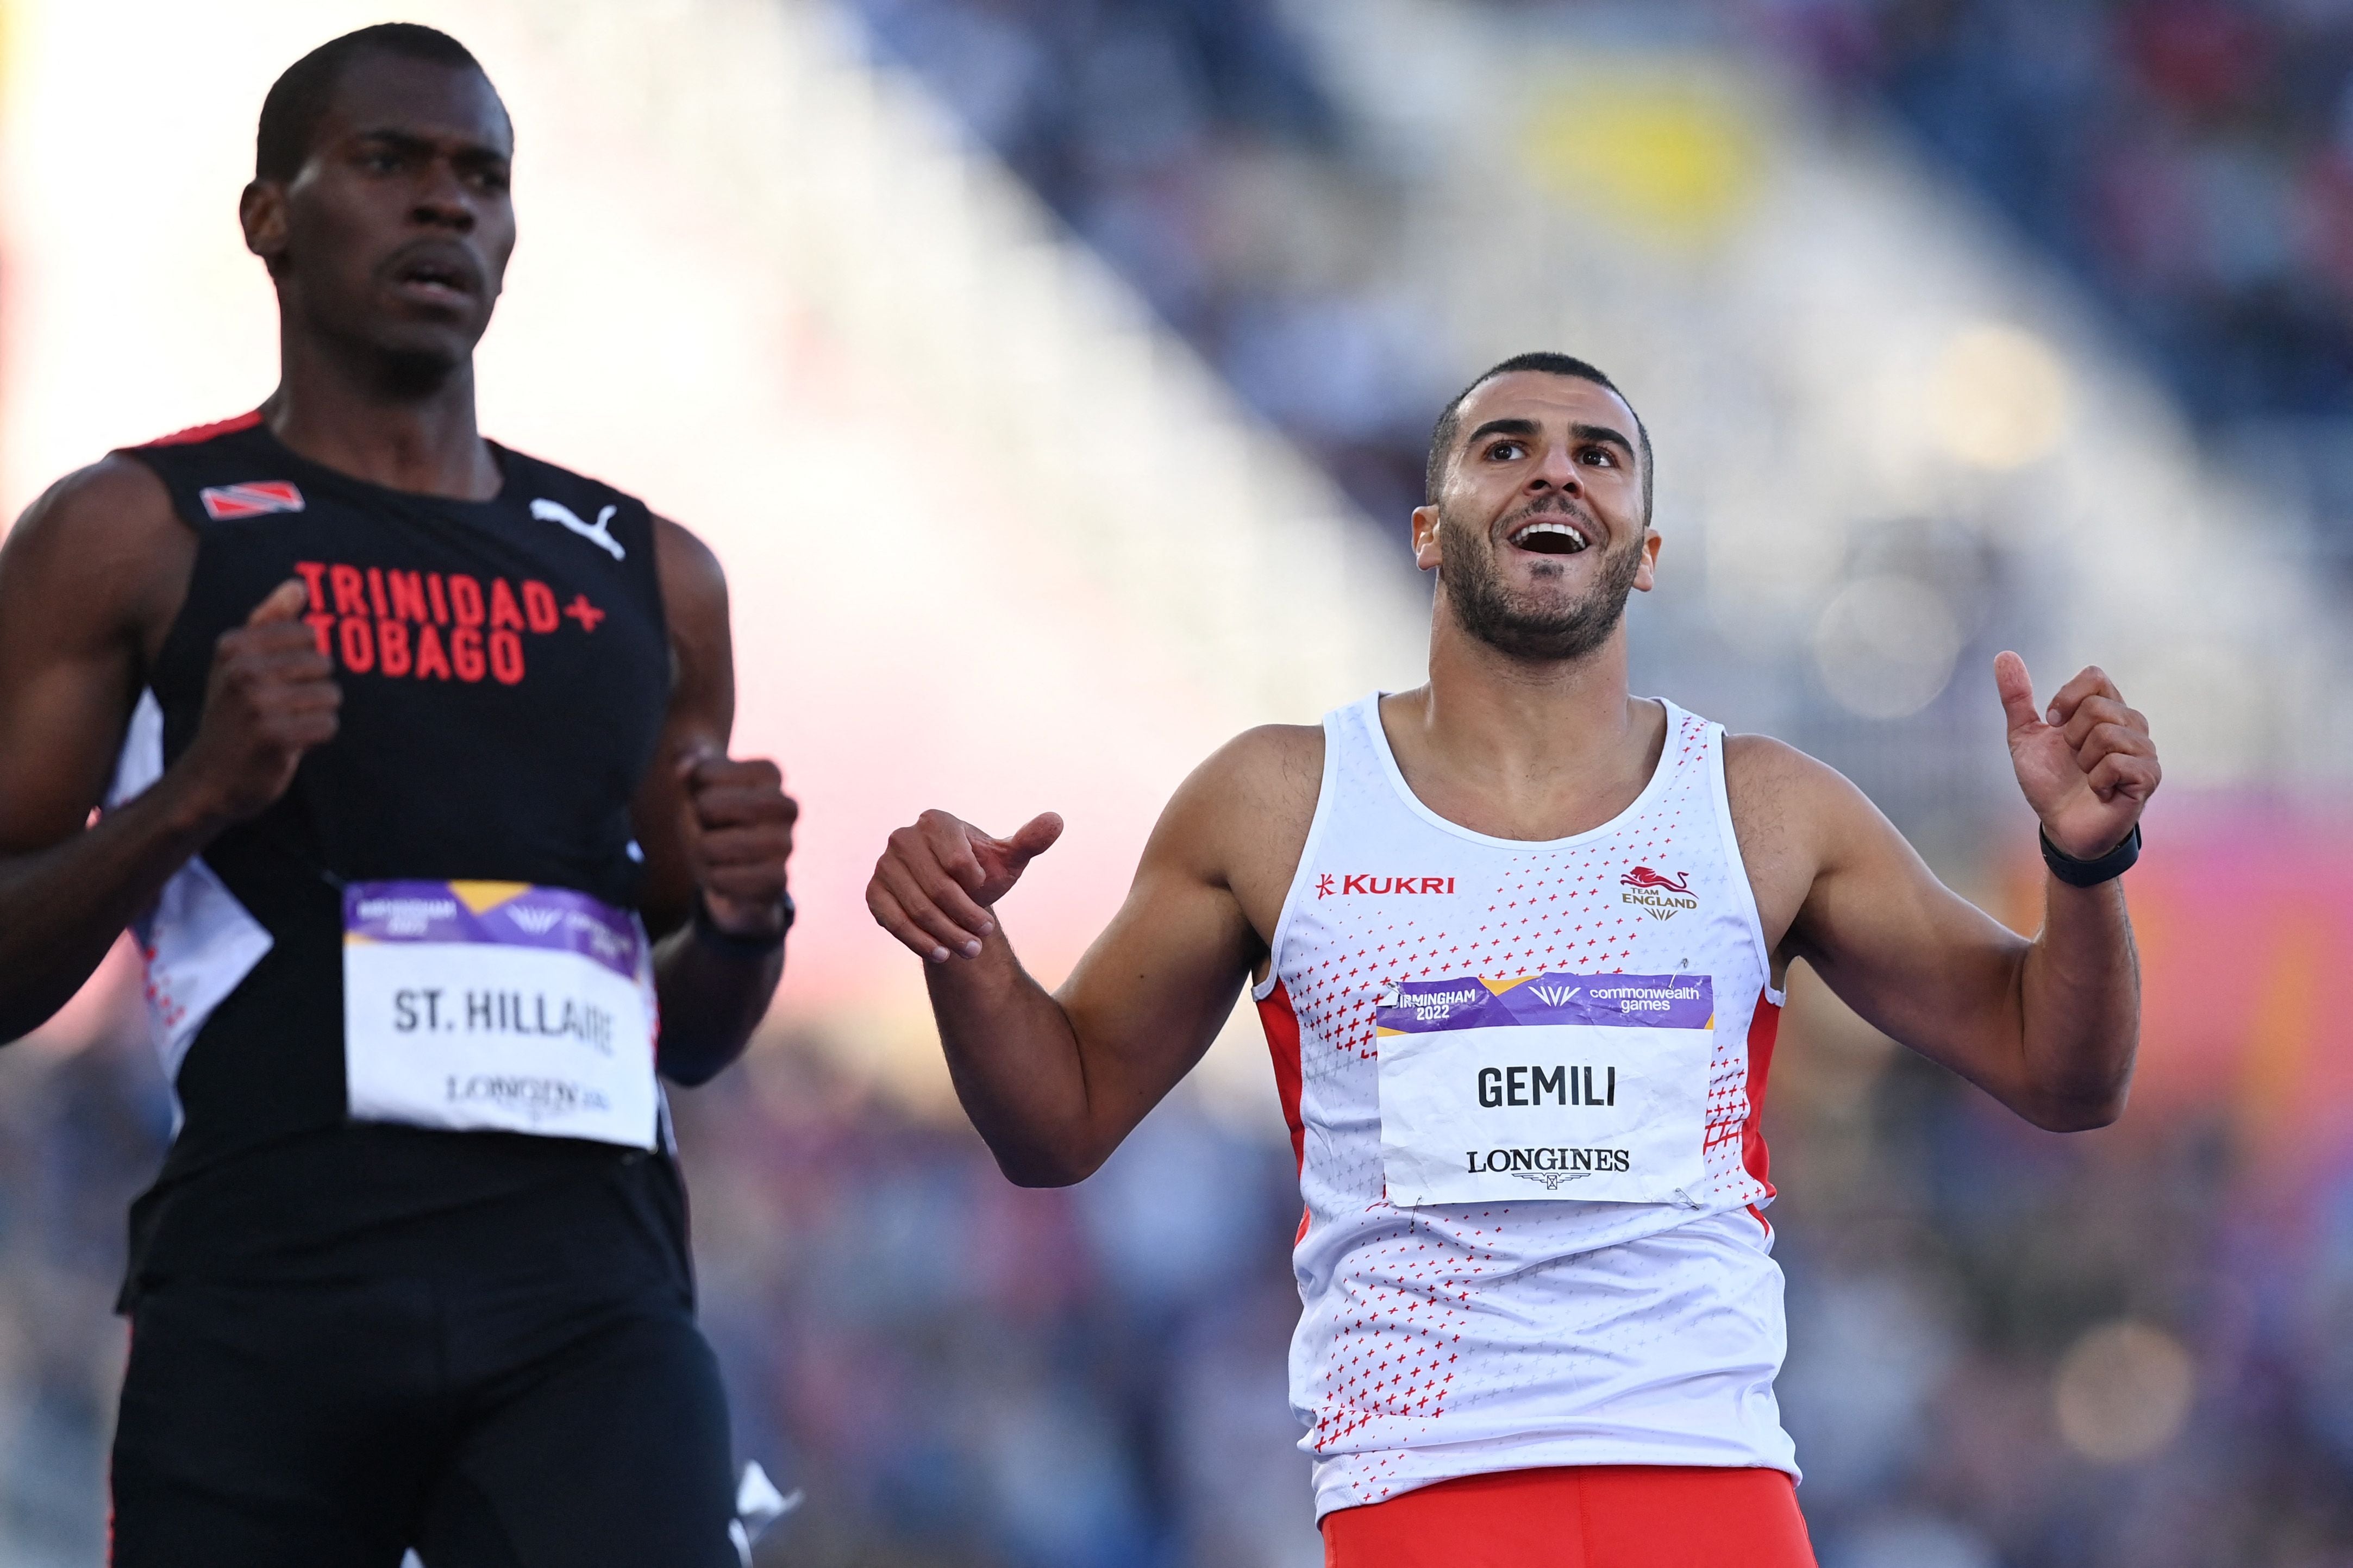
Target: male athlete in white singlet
[1519,940]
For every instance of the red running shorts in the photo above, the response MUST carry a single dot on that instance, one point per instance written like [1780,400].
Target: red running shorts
[1599,1516]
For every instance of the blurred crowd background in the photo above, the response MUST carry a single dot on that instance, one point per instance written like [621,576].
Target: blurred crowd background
[1959,324]
[2190,161]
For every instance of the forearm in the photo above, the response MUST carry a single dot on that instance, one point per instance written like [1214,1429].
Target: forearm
[713,994]
[1015,1062]
[62,907]
[2079,1008]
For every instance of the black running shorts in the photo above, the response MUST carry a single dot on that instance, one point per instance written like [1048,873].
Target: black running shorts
[517,1385]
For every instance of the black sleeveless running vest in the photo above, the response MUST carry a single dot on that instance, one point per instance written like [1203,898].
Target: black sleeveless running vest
[505,671]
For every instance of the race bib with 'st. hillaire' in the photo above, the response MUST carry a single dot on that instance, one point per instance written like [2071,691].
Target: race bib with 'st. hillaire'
[499,1006]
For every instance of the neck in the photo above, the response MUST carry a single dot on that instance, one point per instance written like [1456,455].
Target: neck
[1519,748]
[336,409]
[1524,716]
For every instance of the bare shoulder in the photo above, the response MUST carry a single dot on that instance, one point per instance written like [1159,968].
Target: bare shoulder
[1787,809]
[1241,819]
[98,555]
[90,579]
[116,497]
[1767,777]
[691,577]
[1272,759]
[1270,773]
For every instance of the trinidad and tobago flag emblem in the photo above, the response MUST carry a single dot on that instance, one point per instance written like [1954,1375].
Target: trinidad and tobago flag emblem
[253,499]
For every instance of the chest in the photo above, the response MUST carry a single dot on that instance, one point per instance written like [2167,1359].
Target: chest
[501,694]
[430,617]
[1457,911]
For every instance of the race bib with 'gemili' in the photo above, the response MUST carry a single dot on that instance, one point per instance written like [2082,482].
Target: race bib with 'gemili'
[1591,1087]
[499,1006]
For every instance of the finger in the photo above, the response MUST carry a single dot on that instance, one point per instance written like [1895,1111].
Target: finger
[925,890]
[949,841]
[757,892]
[1036,835]
[302,734]
[694,755]
[2122,774]
[2093,712]
[290,717]
[305,701]
[891,917]
[746,847]
[2108,740]
[712,771]
[732,806]
[299,660]
[2017,690]
[949,896]
[268,636]
[900,880]
[2090,681]
[284,602]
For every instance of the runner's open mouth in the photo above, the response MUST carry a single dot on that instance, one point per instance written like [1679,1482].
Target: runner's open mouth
[1551,536]
[436,275]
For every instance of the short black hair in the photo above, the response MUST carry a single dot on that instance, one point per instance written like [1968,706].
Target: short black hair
[301,97]
[1450,423]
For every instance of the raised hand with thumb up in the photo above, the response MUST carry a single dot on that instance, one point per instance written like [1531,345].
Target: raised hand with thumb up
[2087,763]
[936,881]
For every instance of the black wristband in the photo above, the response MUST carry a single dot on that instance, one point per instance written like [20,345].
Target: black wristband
[2091,873]
[728,941]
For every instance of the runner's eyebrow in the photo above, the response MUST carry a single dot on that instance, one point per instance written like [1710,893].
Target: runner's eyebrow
[1502,427]
[409,143]
[1528,427]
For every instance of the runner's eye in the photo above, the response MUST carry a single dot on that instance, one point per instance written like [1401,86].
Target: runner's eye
[1506,451]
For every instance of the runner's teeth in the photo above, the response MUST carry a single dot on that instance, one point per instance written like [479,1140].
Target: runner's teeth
[1576,539]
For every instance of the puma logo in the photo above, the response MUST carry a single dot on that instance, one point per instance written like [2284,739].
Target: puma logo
[594,534]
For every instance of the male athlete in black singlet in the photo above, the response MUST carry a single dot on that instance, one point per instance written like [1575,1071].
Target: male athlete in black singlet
[406,743]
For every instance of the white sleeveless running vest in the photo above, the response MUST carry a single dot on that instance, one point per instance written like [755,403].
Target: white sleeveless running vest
[1523,1080]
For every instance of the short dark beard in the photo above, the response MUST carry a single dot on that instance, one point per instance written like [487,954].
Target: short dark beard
[1466,572]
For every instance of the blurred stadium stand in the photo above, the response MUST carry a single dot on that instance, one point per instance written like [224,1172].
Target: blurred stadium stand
[2190,160]
[1958,325]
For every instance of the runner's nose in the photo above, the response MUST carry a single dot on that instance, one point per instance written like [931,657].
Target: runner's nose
[443,201]
[1556,471]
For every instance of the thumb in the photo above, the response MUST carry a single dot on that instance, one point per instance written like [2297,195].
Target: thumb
[2017,688]
[1037,836]
[285,602]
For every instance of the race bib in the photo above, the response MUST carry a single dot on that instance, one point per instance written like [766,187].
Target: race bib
[1591,1087]
[500,1006]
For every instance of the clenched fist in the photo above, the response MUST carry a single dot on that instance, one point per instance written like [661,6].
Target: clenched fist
[2086,764]
[272,697]
[740,834]
[939,877]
